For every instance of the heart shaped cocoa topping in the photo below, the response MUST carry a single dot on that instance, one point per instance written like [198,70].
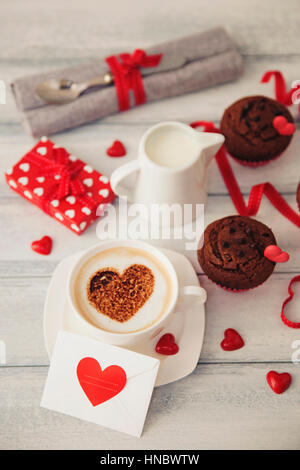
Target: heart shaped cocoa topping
[120,296]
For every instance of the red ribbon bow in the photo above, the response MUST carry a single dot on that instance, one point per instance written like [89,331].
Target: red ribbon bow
[57,163]
[127,75]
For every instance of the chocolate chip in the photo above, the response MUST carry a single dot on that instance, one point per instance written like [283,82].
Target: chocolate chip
[242,241]
[232,230]
[241,254]
[225,245]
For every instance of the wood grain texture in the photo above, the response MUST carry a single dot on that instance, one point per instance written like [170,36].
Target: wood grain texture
[21,223]
[255,314]
[225,403]
[224,406]
[78,30]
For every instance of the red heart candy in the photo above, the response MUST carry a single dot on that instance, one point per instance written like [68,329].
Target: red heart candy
[42,246]
[232,340]
[275,253]
[100,385]
[282,126]
[116,150]
[279,383]
[166,345]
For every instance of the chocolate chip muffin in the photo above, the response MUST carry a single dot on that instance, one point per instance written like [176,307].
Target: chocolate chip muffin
[232,254]
[250,135]
[298,196]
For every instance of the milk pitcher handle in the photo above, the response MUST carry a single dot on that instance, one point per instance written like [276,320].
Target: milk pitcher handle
[119,175]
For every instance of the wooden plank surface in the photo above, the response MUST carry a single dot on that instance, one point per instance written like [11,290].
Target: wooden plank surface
[225,403]
[255,316]
[222,406]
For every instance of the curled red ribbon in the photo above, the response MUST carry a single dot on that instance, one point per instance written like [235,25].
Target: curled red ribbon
[287,322]
[282,95]
[256,191]
[127,76]
[57,162]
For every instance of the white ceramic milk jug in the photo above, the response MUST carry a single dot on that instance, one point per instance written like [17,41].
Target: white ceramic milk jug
[171,166]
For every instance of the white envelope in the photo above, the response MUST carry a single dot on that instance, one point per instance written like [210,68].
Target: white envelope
[126,411]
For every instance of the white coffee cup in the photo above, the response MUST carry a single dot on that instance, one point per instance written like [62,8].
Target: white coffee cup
[170,168]
[146,333]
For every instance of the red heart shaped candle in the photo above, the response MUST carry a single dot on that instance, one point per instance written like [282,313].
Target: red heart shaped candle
[116,150]
[42,246]
[166,345]
[100,385]
[232,340]
[279,383]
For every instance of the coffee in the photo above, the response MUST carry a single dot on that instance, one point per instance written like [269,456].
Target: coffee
[123,290]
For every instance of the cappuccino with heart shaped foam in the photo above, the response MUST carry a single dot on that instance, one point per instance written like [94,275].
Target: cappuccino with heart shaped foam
[123,289]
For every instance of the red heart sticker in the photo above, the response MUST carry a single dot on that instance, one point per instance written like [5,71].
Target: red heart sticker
[42,246]
[166,345]
[275,253]
[100,385]
[282,126]
[279,383]
[116,150]
[232,340]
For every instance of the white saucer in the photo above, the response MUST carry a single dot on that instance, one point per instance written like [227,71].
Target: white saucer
[187,325]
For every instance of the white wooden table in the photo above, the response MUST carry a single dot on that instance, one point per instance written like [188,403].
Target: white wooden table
[225,403]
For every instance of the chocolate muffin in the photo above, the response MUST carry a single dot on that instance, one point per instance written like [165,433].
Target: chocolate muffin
[250,135]
[298,196]
[232,254]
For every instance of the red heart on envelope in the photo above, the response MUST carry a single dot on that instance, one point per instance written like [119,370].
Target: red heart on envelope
[100,385]
[275,253]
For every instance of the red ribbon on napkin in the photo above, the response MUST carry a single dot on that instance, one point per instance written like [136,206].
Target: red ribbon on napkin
[127,76]
[256,191]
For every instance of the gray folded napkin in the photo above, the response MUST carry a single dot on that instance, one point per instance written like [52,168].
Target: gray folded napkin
[211,59]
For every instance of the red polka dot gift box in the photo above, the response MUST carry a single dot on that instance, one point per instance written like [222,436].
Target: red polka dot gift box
[61,185]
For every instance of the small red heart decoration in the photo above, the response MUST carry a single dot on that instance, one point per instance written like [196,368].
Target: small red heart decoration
[100,385]
[116,150]
[275,253]
[166,345]
[282,126]
[42,246]
[232,340]
[279,383]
